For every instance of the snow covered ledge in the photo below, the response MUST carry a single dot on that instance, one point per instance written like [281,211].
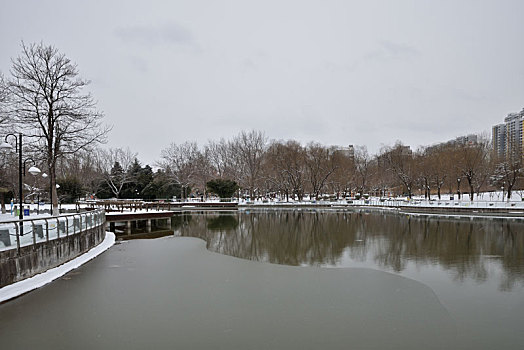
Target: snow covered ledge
[18,288]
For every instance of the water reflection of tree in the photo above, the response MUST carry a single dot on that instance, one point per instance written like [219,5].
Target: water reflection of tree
[180,221]
[222,222]
[467,248]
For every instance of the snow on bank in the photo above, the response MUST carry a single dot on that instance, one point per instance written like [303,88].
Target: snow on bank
[140,211]
[16,289]
[9,217]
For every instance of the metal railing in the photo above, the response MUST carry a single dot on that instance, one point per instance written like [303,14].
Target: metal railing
[15,234]
[440,204]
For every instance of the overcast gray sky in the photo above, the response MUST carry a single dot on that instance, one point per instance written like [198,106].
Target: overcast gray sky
[335,72]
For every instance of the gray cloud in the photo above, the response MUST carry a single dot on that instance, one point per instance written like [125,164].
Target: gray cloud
[398,49]
[389,50]
[139,63]
[150,35]
[336,72]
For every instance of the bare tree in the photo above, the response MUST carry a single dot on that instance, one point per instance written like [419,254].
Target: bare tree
[319,167]
[343,176]
[249,148]
[286,164]
[401,163]
[221,158]
[3,101]
[114,165]
[363,167]
[438,163]
[204,171]
[424,168]
[180,163]
[85,167]
[509,170]
[472,162]
[8,177]
[49,106]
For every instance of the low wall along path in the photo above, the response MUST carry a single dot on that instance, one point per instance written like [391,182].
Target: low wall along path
[46,243]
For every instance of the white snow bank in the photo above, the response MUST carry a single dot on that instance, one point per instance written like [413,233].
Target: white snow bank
[27,285]
[141,211]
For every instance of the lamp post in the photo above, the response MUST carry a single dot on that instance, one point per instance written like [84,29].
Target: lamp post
[458,187]
[21,171]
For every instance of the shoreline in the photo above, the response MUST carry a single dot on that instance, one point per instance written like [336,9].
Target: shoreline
[26,285]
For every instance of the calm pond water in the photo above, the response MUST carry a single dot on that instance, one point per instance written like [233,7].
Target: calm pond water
[474,266]
[335,281]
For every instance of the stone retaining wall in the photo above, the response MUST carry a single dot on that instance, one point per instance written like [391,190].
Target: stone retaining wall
[16,265]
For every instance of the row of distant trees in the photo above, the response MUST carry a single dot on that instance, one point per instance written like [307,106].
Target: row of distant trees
[109,173]
[288,169]
[251,166]
[44,99]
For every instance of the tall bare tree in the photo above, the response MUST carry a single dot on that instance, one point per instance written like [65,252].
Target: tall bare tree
[401,163]
[180,163]
[3,101]
[114,165]
[510,169]
[204,171]
[286,164]
[221,158]
[424,171]
[249,149]
[47,102]
[343,176]
[319,166]
[363,167]
[472,162]
[3,161]
[85,167]
[439,163]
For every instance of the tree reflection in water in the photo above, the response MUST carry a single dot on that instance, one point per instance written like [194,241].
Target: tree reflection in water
[467,248]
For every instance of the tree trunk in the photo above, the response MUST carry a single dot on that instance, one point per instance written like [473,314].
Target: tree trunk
[2,201]
[53,191]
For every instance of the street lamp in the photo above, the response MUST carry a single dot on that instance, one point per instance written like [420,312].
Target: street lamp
[33,170]
[458,187]
[21,171]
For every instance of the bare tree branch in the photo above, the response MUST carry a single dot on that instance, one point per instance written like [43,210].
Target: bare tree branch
[48,105]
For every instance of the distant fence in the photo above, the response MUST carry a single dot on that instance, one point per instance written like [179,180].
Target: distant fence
[436,206]
[135,205]
[31,246]
[445,204]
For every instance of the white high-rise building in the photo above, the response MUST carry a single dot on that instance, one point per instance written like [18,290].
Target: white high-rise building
[508,137]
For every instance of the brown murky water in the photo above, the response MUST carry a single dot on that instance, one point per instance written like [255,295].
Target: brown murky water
[475,266]
[336,281]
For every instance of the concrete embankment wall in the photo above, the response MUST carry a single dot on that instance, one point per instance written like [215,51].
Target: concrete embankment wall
[16,265]
[483,212]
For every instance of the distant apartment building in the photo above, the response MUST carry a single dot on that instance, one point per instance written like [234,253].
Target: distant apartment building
[348,151]
[498,140]
[469,140]
[508,138]
[401,151]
